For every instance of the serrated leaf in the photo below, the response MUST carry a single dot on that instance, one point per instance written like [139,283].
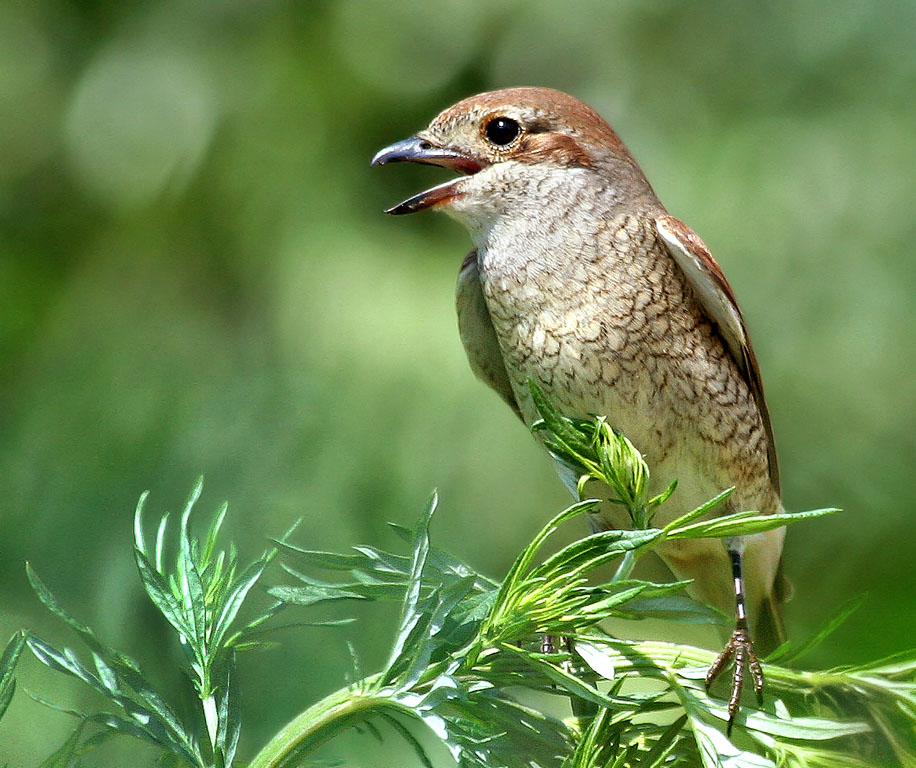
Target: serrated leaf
[317,558]
[307,596]
[524,560]
[158,725]
[440,605]
[411,652]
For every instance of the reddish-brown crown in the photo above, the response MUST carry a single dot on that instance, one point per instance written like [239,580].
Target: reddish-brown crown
[551,110]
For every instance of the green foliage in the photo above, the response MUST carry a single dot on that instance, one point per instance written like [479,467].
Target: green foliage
[8,661]
[468,651]
[200,594]
[196,276]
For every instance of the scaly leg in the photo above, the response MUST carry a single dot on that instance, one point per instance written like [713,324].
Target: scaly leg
[739,647]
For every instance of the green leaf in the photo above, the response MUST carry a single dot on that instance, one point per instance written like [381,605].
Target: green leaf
[701,510]
[213,533]
[808,728]
[159,592]
[318,559]
[717,751]
[524,560]
[233,600]
[412,740]
[592,551]
[600,663]
[411,618]
[578,687]
[680,608]
[663,745]
[230,724]
[149,715]
[744,524]
[317,594]
[791,654]
[8,661]
[556,422]
[192,594]
[76,745]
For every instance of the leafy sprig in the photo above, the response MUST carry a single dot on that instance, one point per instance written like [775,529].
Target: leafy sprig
[467,647]
[200,593]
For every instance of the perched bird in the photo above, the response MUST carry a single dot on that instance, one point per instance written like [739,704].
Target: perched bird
[580,280]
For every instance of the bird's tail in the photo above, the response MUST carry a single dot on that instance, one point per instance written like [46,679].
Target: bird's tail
[770,632]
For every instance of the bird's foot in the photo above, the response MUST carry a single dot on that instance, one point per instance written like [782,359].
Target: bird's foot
[741,649]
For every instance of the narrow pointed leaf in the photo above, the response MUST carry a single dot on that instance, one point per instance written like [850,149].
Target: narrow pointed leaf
[410,616]
[233,601]
[408,737]
[574,685]
[8,661]
[744,524]
[829,627]
[663,745]
[701,510]
[161,595]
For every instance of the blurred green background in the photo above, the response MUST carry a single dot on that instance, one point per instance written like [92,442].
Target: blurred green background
[196,277]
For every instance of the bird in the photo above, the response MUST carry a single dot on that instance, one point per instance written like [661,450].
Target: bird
[582,282]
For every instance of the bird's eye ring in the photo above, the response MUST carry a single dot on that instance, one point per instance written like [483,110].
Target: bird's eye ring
[502,131]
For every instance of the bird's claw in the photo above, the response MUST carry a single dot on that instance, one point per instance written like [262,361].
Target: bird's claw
[741,649]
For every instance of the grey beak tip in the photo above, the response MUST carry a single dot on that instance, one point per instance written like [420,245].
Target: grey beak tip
[410,149]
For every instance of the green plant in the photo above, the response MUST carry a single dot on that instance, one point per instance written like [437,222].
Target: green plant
[467,647]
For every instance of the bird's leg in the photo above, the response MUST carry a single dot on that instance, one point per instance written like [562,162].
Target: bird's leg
[739,647]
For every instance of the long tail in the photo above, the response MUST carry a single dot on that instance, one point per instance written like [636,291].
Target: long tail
[769,630]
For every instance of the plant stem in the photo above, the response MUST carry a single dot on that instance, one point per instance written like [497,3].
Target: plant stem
[310,729]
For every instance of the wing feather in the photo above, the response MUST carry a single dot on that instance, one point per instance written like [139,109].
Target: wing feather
[477,334]
[719,303]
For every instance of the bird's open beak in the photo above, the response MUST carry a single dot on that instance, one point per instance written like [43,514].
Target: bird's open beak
[418,150]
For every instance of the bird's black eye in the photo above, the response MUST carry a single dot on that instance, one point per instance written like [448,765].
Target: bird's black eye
[502,131]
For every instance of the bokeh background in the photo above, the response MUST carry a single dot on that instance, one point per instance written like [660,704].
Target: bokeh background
[196,277]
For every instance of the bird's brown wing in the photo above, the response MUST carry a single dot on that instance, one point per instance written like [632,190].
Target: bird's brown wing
[477,334]
[718,301]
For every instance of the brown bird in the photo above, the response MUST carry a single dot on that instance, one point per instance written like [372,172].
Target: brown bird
[580,280]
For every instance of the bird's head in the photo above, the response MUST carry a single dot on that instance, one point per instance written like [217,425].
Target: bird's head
[513,146]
